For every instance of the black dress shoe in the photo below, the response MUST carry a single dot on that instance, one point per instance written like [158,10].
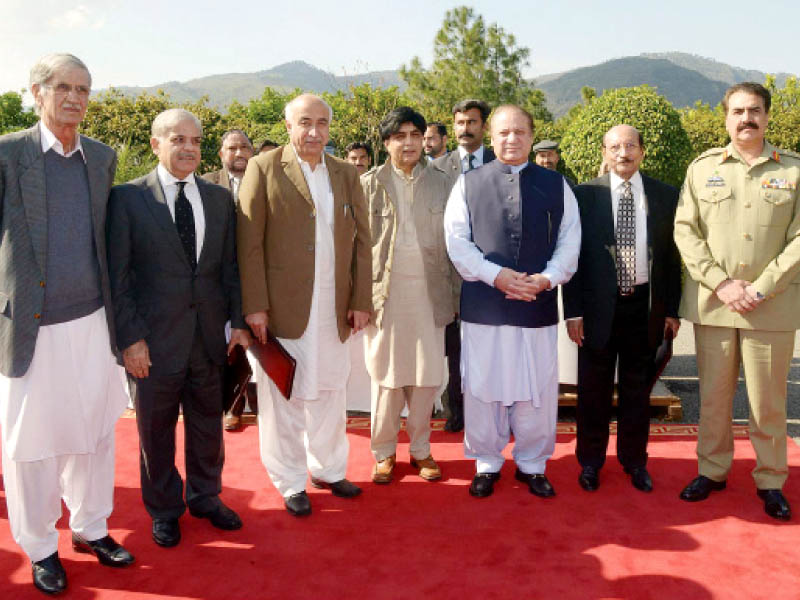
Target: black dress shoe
[298,504]
[775,504]
[221,517]
[640,479]
[700,487]
[49,575]
[342,488]
[589,479]
[108,551]
[483,484]
[166,532]
[537,482]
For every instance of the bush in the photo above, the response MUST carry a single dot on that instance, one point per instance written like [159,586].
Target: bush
[668,150]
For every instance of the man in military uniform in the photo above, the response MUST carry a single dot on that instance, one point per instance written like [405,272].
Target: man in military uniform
[737,227]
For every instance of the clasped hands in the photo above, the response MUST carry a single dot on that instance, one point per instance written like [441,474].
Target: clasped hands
[738,295]
[520,286]
[137,356]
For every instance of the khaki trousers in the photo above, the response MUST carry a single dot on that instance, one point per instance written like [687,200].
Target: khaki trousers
[386,410]
[766,357]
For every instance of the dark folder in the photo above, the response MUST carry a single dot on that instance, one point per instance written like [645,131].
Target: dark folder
[277,363]
[662,357]
[237,375]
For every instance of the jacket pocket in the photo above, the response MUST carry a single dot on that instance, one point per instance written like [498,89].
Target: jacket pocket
[715,204]
[775,207]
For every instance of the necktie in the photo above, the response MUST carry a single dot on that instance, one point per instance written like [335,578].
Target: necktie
[626,241]
[184,222]
[471,162]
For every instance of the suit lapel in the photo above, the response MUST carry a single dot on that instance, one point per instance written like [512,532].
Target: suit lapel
[650,202]
[291,166]
[32,183]
[214,222]
[97,191]
[157,203]
[606,212]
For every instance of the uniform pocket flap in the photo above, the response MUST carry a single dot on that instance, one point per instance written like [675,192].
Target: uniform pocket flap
[777,197]
[715,195]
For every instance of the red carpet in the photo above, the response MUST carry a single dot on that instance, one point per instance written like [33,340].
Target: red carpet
[414,539]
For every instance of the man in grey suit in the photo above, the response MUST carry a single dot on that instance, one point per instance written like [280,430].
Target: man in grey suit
[61,390]
[469,126]
[175,283]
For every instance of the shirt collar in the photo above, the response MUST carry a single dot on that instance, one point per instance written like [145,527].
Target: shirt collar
[415,172]
[462,152]
[49,140]
[636,181]
[767,152]
[166,178]
[306,164]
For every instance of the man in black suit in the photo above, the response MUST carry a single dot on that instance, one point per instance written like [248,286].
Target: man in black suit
[469,126]
[175,283]
[621,303]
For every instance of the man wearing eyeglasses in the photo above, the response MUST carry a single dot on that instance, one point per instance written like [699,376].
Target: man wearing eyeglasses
[61,390]
[621,303]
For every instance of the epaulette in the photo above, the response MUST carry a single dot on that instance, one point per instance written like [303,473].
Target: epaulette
[789,153]
[710,152]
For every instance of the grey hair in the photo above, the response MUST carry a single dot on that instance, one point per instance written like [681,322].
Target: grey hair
[44,69]
[169,117]
[290,106]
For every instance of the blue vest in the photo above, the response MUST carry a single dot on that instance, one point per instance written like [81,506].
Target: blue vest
[515,220]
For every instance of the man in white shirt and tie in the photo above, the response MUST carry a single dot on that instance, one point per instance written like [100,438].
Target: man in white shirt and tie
[175,284]
[621,303]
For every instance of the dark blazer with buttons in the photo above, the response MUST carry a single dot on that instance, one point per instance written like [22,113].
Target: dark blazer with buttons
[450,163]
[23,239]
[157,296]
[592,291]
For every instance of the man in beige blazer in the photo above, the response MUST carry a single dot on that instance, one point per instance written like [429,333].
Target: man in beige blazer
[305,264]
[737,227]
[235,151]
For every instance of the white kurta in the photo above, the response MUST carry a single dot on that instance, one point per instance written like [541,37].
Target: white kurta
[508,364]
[71,396]
[323,362]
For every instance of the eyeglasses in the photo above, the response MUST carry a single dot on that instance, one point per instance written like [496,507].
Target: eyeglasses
[617,148]
[64,89]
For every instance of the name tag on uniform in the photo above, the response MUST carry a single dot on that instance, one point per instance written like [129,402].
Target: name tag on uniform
[715,181]
[774,183]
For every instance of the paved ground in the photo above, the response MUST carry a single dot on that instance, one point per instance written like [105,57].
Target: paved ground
[680,377]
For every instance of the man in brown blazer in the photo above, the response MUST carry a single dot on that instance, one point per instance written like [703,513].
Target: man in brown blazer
[305,264]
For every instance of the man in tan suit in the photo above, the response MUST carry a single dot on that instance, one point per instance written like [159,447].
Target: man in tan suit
[236,150]
[305,263]
[738,230]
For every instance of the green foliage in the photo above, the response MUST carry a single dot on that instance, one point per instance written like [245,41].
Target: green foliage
[668,146]
[12,114]
[357,114]
[472,60]
[705,127]
[133,163]
[784,122]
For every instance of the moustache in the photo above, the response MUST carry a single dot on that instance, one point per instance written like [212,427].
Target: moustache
[465,135]
[747,125]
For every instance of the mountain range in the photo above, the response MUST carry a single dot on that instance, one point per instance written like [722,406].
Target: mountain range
[682,78]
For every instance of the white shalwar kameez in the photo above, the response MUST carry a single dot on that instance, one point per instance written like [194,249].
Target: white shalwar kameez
[509,374]
[58,434]
[308,432]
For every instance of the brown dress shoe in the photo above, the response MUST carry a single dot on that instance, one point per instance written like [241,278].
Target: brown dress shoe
[232,422]
[383,470]
[428,469]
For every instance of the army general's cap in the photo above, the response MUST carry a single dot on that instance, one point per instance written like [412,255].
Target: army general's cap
[545,145]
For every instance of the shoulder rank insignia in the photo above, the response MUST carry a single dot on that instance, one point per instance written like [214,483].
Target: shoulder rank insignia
[715,181]
[774,183]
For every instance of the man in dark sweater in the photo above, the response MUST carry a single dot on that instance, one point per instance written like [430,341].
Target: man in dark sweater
[61,390]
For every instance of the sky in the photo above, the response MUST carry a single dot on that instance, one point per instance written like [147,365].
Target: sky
[145,42]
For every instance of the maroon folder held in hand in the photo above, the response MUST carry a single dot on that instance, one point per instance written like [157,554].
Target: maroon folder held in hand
[236,376]
[277,363]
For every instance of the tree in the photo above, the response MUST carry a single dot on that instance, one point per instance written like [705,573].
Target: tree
[13,116]
[472,60]
[784,122]
[667,146]
[705,127]
[357,114]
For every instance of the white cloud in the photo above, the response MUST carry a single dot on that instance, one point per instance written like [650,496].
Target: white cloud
[78,17]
